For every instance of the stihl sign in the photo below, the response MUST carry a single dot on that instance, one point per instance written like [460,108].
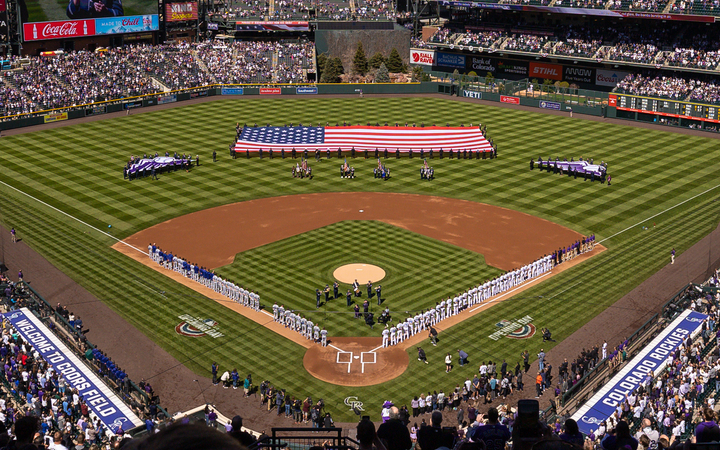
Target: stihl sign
[547,71]
[425,58]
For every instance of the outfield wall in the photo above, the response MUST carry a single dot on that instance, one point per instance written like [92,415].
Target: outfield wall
[117,105]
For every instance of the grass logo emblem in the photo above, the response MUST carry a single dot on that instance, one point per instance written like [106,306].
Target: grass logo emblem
[197,327]
[514,329]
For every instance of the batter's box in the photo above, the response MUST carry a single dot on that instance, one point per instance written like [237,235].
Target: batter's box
[368,360]
[340,359]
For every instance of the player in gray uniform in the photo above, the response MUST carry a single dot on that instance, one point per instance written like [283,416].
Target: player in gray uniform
[309,333]
[385,336]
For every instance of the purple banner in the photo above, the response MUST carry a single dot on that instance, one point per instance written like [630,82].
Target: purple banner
[157,163]
[582,167]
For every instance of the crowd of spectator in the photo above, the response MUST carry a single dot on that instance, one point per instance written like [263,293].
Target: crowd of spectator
[484,39]
[638,5]
[526,43]
[577,47]
[78,78]
[670,87]
[591,4]
[690,57]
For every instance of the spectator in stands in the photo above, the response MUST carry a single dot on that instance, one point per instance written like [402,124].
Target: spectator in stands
[708,430]
[394,433]
[493,433]
[367,437]
[572,434]
[433,436]
[185,437]
[245,438]
[620,438]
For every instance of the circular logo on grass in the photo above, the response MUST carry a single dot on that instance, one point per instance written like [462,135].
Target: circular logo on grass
[514,329]
[197,327]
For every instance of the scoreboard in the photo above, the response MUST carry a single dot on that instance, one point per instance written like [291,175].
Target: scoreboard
[667,108]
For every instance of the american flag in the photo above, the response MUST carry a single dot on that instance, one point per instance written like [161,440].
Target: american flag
[362,138]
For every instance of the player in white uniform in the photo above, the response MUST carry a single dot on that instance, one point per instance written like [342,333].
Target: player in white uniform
[393,336]
[411,324]
[385,335]
[406,330]
[316,333]
[399,333]
[309,331]
[323,337]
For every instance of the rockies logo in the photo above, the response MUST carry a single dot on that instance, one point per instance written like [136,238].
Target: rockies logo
[354,403]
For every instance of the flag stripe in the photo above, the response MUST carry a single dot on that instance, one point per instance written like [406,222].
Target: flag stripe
[362,138]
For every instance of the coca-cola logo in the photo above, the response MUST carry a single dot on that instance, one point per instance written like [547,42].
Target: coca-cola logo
[64,29]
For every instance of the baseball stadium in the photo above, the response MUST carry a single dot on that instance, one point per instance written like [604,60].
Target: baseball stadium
[258,220]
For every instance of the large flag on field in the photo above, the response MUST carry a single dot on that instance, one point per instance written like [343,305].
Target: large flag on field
[362,138]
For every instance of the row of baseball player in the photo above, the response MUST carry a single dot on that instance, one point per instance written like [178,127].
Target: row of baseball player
[205,277]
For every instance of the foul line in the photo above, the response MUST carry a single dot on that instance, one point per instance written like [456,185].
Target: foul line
[74,218]
[661,212]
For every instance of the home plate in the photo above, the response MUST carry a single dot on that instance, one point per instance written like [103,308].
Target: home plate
[356,357]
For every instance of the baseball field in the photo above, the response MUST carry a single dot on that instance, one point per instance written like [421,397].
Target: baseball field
[663,195]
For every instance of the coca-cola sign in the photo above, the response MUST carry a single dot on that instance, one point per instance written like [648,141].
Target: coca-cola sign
[58,30]
[423,57]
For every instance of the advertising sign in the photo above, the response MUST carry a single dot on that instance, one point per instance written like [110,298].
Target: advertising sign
[272,26]
[163,99]
[547,71]
[58,30]
[472,94]
[651,359]
[578,74]
[509,99]
[612,100]
[55,117]
[609,77]
[450,60]
[95,110]
[198,94]
[232,91]
[483,64]
[422,57]
[176,12]
[270,91]
[132,104]
[2,6]
[62,10]
[306,90]
[127,24]
[100,399]
[550,105]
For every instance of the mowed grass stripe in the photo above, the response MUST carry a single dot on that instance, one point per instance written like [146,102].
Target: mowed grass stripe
[78,170]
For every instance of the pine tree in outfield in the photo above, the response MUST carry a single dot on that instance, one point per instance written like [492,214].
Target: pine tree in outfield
[321,61]
[332,71]
[394,62]
[376,60]
[360,62]
[382,75]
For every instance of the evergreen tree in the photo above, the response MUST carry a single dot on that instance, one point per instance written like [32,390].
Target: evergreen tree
[360,62]
[320,62]
[381,74]
[376,60]
[394,62]
[328,72]
[418,74]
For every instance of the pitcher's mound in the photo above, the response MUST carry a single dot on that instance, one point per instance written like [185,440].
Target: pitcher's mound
[361,272]
[355,361]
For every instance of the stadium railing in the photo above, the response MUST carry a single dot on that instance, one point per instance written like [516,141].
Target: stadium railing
[304,438]
[574,397]
[76,340]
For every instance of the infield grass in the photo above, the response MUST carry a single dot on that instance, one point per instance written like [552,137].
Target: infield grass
[78,169]
[418,272]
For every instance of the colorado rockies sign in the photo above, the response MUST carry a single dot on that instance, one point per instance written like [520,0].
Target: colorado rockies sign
[514,329]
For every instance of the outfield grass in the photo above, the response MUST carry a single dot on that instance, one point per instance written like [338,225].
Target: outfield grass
[78,169]
[418,271]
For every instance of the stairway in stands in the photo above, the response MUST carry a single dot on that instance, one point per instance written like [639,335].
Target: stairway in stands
[9,83]
[201,64]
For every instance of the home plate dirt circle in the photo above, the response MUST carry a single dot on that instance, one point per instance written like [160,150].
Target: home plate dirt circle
[355,361]
[351,272]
